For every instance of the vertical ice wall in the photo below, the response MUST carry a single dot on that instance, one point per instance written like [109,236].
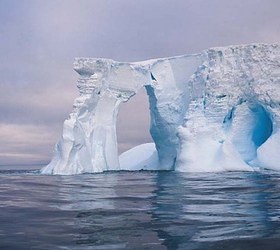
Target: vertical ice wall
[169,97]
[233,112]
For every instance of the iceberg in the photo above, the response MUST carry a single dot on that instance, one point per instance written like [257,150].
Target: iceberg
[218,110]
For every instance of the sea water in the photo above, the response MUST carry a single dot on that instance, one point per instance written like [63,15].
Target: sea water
[140,210]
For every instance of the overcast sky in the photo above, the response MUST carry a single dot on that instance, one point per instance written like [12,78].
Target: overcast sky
[40,39]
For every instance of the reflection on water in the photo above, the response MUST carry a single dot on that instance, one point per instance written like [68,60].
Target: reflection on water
[140,210]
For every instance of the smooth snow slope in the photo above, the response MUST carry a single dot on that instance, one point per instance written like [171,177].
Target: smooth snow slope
[141,157]
[213,111]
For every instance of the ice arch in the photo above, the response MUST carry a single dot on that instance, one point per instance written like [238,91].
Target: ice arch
[263,127]
[197,109]
[248,126]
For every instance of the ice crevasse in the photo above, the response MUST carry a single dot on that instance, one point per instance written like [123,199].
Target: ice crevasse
[217,110]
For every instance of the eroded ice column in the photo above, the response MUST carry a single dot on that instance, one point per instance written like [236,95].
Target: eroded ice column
[169,97]
[88,143]
[72,154]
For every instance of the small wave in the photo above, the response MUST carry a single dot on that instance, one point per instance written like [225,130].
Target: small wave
[16,172]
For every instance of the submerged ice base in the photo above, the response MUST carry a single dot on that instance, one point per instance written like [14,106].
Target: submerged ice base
[213,111]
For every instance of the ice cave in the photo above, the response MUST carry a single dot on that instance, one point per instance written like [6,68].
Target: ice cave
[218,110]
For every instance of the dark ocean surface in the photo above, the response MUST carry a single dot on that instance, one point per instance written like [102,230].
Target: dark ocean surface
[139,210]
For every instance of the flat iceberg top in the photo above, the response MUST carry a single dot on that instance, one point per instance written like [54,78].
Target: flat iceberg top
[85,64]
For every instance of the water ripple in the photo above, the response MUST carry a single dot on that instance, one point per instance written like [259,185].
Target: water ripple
[140,210]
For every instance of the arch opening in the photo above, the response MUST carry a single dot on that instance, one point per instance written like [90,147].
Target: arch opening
[248,126]
[133,122]
[263,125]
[135,145]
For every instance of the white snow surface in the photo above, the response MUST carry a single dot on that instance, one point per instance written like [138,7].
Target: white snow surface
[218,110]
[141,157]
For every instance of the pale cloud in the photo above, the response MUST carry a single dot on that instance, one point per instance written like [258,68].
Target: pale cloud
[26,144]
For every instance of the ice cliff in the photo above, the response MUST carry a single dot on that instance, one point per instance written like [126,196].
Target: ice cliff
[213,111]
